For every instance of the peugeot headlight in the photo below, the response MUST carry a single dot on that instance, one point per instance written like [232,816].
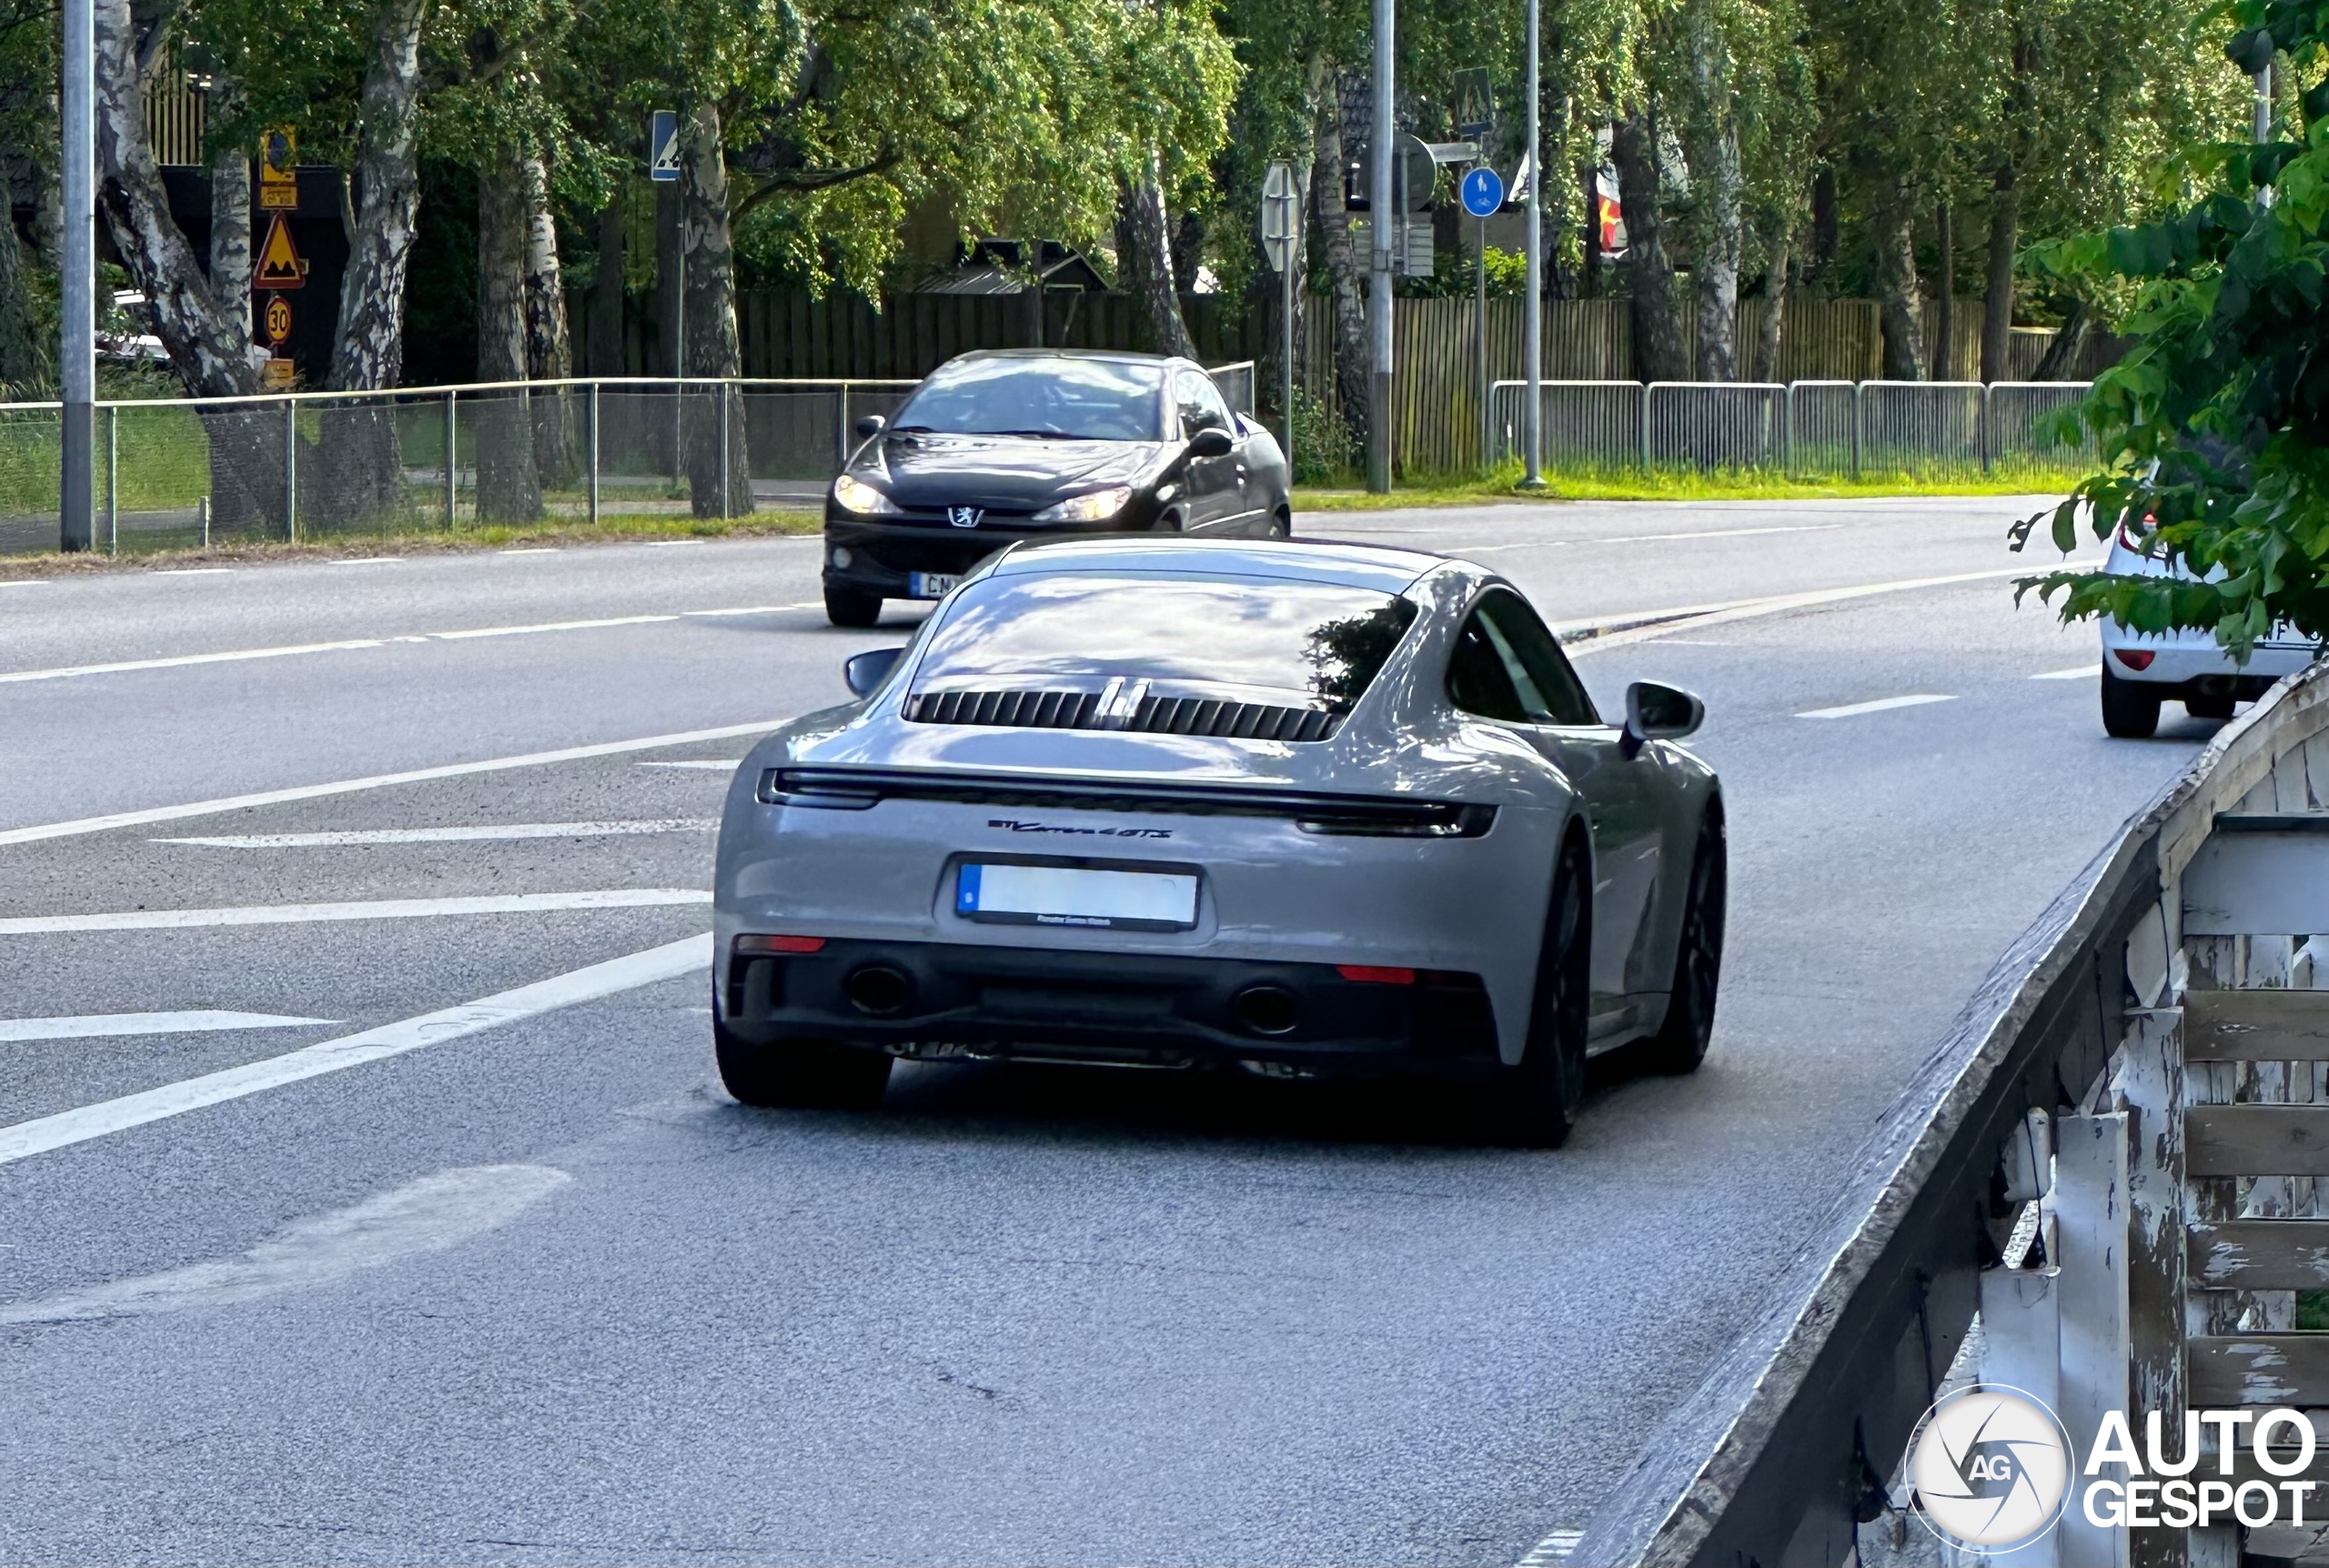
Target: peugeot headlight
[856,496]
[1088,509]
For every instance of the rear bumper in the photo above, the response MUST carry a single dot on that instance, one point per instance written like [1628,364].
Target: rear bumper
[2195,661]
[941,1001]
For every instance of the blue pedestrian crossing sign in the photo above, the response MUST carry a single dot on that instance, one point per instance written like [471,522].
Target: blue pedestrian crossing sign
[663,145]
[1483,191]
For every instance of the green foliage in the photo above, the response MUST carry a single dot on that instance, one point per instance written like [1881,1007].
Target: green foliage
[2214,429]
[1324,448]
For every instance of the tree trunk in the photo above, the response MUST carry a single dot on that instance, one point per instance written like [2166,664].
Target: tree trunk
[230,236]
[1997,299]
[369,352]
[24,368]
[708,261]
[1189,250]
[2061,360]
[509,486]
[1658,328]
[1944,320]
[605,342]
[1145,262]
[1714,166]
[549,352]
[1896,290]
[1354,380]
[1774,332]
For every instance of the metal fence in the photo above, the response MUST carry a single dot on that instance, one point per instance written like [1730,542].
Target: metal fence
[175,473]
[1807,428]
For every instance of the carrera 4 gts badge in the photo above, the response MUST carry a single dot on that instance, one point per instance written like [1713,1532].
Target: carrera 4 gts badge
[1012,824]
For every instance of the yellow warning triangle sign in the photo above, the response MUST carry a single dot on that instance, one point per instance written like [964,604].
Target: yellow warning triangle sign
[279,265]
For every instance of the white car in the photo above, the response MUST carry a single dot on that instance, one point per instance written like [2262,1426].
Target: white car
[2142,670]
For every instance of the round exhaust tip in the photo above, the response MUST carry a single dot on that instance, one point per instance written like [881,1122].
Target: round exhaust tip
[877,988]
[1266,1010]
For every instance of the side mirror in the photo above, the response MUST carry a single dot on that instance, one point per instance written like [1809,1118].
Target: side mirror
[1655,712]
[868,670]
[1211,442]
[872,425]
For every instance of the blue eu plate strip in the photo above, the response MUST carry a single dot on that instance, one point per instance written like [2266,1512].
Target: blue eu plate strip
[966,888]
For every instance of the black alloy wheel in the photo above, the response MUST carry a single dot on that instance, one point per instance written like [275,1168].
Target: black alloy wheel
[1535,1104]
[847,607]
[1680,1042]
[798,1074]
[2130,708]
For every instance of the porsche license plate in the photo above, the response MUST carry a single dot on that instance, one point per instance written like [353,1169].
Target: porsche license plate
[1076,896]
[931,585]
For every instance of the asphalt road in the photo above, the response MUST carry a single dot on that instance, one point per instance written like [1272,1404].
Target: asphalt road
[535,1290]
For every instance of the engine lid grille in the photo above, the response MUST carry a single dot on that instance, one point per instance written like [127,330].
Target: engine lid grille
[1127,706]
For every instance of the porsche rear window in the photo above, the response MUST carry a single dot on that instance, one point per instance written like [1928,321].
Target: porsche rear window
[1193,637]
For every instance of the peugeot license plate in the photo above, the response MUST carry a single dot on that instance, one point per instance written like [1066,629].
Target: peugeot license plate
[931,585]
[1158,901]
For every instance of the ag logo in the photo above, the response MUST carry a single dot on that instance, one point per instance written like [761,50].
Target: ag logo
[964,517]
[1991,1467]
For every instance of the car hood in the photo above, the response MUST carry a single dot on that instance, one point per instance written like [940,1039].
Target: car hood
[1009,472]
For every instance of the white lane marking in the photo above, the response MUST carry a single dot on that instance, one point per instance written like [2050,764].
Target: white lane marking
[551,626]
[180,662]
[1648,539]
[432,1215]
[377,782]
[491,831]
[1556,1547]
[364,560]
[666,544]
[106,1025]
[689,955]
[529,550]
[724,765]
[193,571]
[1644,625]
[1882,704]
[2079,672]
[231,656]
[23,582]
[361,909]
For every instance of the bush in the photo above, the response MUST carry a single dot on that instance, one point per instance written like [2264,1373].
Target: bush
[1324,447]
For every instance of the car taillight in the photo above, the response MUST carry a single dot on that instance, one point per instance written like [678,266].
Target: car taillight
[1376,974]
[757,944]
[2134,657]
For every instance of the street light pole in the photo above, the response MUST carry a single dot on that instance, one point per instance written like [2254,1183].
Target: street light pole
[1381,217]
[1532,315]
[76,359]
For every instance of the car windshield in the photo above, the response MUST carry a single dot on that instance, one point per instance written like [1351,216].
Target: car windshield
[1234,637]
[1076,400]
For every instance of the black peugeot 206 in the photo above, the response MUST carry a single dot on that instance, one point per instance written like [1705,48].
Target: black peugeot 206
[1005,444]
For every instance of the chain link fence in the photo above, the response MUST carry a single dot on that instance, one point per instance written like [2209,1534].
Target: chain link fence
[180,473]
[1803,429]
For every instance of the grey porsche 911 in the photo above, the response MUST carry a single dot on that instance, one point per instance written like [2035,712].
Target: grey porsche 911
[1285,809]
[1006,445]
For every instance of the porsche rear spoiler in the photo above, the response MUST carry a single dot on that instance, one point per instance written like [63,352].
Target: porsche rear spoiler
[858,788]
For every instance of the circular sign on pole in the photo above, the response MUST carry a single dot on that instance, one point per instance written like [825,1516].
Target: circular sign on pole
[1483,192]
[278,318]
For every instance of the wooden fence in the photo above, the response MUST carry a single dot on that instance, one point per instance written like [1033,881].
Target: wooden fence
[1436,423]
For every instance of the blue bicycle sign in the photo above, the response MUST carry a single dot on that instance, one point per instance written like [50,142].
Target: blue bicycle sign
[1483,192]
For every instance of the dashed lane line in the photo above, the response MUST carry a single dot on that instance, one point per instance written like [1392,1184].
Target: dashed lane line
[140,818]
[689,955]
[109,1025]
[358,909]
[725,764]
[1882,705]
[346,644]
[494,831]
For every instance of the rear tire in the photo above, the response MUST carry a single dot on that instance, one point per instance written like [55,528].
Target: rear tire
[1535,1106]
[850,608]
[1680,1043]
[2130,708]
[800,1074]
[1282,523]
